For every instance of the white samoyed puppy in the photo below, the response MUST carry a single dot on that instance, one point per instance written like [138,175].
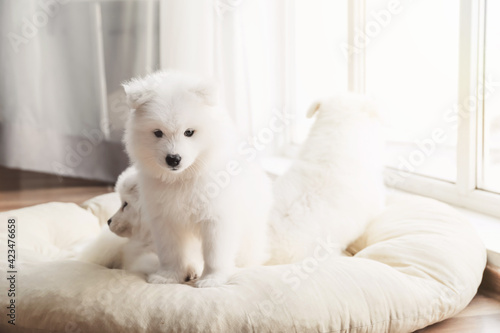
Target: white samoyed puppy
[124,243]
[194,186]
[138,253]
[335,185]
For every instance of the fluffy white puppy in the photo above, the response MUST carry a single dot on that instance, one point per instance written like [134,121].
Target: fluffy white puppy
[124,243]
[335,185]
[193,183]
[138,253]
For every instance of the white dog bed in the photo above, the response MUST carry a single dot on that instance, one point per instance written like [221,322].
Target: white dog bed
[418,263]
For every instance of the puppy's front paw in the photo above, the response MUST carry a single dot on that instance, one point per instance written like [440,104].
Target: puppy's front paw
[163,277]
[211,280]
[191,274]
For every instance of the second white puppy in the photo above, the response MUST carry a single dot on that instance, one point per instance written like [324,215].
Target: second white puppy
[193,185]
[335,185]
[138,253]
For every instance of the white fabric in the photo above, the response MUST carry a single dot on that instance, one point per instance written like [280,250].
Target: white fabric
[418,263]
[239,43]
[62,63]
[102,43]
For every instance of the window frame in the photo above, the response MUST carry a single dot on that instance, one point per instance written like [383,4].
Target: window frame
[466,191]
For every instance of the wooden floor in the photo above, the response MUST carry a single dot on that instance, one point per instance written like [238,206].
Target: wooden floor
[21,189]
[481,316]
[24,188]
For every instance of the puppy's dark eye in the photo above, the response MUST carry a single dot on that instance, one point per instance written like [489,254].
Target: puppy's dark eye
[189,132]
[158,133]
[124,205]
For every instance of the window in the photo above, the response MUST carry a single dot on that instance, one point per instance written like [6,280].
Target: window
[435,65]
[412,68]
[489,179]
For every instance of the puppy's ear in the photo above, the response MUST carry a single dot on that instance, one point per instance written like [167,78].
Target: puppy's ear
[312,109]
[138,91]
[208,91]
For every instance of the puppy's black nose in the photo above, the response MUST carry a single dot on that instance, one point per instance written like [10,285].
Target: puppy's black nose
[173,160]
[109,221]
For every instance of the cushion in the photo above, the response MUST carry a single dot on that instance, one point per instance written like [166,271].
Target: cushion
[418,263]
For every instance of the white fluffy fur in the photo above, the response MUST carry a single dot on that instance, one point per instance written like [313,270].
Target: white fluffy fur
[138,253]
[126,243]
[104,250]
[184,205]
[334,187]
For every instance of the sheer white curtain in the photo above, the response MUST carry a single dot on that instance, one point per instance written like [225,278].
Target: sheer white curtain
[61,65]
[241,43]
[61,105]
